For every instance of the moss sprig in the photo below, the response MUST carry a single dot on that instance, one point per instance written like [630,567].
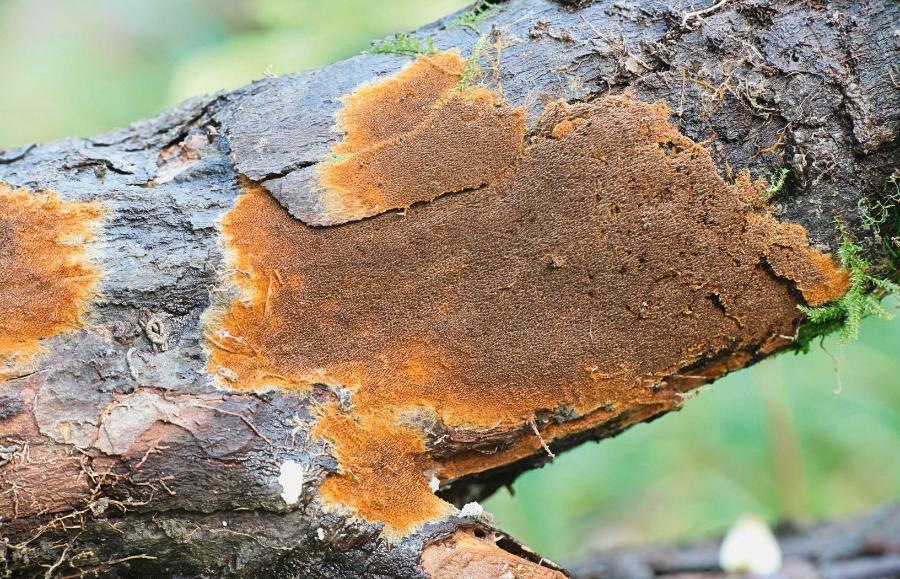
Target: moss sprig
[776,183]
[884,215]
[472,70]
[404,44]
[474,17]
[861,300]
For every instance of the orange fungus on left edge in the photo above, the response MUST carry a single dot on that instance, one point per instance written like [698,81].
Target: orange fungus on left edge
[45,277]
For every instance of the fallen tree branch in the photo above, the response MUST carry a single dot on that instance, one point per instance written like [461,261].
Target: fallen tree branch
[405,272]
[862,547]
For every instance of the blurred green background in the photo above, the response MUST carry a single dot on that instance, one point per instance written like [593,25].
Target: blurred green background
[776,440]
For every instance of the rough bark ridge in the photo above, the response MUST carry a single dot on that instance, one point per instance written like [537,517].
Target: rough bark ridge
[302,304]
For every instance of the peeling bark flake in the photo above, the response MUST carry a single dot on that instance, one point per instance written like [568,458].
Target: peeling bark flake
[465,555]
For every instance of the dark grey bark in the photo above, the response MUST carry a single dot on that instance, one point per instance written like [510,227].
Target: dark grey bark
[803,85]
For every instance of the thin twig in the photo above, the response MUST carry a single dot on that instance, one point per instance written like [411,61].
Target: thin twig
[696,13]
[835,362]
[541,438]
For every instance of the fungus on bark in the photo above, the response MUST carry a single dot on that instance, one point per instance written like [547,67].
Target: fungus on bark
[537,303]
[46,278]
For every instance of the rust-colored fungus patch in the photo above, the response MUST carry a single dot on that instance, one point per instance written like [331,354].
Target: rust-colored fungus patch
[45,277]
[407,139]
[465,555]
[379,111]
[814,277]
[379,445]
[609,271]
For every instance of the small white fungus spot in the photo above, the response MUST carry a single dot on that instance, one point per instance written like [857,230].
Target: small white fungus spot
[291,481]
[320,533]
[476,512]
[472,511]
[434,483]
[750,547]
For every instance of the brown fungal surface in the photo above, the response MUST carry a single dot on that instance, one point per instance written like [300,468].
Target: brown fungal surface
[389,174]
[377,112]
[608,271]
[419,113]
[45,277]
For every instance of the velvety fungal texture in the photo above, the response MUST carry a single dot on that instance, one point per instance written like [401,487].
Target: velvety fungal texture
[390,126]
[45,277]
[604,272]
[380,111]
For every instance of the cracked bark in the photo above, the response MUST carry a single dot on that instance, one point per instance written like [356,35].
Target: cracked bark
[118,451]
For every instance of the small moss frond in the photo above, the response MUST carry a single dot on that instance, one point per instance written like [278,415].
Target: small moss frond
[473,18]
[404,44]
[884,215]
[472,70]
[861,300]
[886,285]
[823,315]
[876,308]
[776,183]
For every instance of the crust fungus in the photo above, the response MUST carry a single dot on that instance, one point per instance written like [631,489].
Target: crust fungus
[391,126]
[585,282]
[45,276]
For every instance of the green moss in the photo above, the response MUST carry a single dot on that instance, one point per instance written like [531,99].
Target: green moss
[861,300]
[473,18]
[776,183]
[472,70]
[404,44]
[884,215]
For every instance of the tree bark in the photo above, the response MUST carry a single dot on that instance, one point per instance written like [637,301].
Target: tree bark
[237,363]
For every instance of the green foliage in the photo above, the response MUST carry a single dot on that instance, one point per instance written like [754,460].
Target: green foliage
[884,215]
[472,69]
[776,184]
[473,18]
[404,44]
[861,300]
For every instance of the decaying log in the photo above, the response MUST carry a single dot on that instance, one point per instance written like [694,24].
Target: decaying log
[281,331]
[863,547]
